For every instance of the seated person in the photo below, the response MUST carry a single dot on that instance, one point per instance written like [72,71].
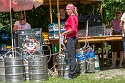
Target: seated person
[21,24]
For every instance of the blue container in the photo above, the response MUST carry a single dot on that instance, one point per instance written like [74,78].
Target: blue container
[87,55]
[92,54]
[80,57]
[4,37]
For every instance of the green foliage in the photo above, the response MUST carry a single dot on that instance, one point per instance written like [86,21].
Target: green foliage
[109,8]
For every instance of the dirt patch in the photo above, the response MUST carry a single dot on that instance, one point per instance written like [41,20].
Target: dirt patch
[109,74]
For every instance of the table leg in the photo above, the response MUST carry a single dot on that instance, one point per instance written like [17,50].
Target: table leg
[102,54]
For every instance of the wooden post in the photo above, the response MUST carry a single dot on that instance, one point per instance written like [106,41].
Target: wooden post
[50,7]
[101,9]
[93,9]
[54,57]
[58,24]
[102,54]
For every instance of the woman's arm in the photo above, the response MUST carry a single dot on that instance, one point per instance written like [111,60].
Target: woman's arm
[15,27]
[67,32]
[110,24]
[121,24]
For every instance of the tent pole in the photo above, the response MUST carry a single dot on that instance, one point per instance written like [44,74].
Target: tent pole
[25,14]
[59,24]
[11,26]
[50,5]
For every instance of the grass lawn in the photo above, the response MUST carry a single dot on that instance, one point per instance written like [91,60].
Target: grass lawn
[104,76]
[83,79]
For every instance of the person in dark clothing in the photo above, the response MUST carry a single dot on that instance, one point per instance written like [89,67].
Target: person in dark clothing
[63,15]
[63,18]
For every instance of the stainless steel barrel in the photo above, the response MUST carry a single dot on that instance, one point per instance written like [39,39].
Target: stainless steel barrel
[26,69]
[2,70]
[38,68]
[90,65]
[81,67]
[14,69]
[62,66]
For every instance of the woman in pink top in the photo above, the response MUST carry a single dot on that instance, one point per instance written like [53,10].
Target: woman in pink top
[71,35]
[117,46]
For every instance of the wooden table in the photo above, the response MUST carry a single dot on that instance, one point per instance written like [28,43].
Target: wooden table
[94,39]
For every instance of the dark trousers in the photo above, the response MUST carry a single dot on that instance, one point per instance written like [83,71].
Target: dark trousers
[71,47]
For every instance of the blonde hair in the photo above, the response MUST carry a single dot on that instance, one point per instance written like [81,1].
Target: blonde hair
[75,10]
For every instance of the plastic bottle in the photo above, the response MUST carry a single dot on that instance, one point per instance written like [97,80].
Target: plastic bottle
[123,34]
[24,56]
[92,54]
[87,55]
[56,48]
[2,47]
[111,32]
[104,29]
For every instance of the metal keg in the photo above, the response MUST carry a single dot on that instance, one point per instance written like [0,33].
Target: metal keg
[90,64]
[38,68]
[62,65]
[81,67]
[2,70]
[14,70]
[26,69]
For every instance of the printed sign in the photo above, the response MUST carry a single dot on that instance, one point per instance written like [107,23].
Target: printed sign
[30,44]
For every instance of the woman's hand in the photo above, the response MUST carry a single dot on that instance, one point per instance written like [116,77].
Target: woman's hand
[67,32]
[63,34]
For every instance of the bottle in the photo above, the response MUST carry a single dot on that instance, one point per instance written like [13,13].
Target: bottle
[87,54]
[2,47]
[24,56]
[92,54]
[104,29]
[111,32]
[123,34]
[56,48]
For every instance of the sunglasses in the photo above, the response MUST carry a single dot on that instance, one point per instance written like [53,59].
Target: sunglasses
[67,9]
[118,13]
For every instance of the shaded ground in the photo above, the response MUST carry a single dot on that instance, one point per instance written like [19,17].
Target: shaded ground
[110,74]
[107,73]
